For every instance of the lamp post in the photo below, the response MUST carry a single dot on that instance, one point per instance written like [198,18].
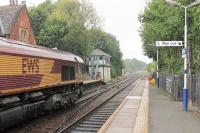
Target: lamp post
[157,68]
[185,89]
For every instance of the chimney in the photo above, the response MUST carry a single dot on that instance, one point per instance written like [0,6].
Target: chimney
[13,2]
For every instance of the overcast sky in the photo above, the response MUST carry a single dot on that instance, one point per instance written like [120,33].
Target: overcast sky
[120,18]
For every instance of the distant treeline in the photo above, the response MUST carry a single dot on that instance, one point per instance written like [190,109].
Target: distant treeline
[133,65]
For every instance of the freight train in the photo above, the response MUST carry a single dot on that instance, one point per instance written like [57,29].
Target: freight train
[35,79]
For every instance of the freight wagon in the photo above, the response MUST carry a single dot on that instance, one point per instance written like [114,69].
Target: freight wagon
[35,79]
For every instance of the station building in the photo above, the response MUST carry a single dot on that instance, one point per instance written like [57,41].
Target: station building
[15,23]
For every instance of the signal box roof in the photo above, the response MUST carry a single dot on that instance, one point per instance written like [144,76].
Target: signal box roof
[98,52]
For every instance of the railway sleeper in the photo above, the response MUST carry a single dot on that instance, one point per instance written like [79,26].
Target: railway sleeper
[101,115]
[89,125]
[82,132]
[105,110]
[98,117]
[93,122]
[97,120]
[86,129]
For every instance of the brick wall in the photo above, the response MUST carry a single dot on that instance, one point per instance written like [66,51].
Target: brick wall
[22,22]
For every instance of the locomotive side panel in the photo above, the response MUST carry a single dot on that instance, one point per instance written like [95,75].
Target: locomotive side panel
[21,74]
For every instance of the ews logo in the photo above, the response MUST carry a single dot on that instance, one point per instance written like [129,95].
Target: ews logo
[30,65]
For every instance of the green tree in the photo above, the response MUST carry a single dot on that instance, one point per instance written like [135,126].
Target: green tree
[161,22]
[38,16]
[73,26]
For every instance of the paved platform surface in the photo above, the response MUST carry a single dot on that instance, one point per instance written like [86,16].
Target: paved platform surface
[166,116]
[132,114]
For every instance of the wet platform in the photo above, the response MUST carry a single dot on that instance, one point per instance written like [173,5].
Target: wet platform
[132,114]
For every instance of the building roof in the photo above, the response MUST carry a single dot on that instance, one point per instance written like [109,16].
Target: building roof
[99,53]
[9,15]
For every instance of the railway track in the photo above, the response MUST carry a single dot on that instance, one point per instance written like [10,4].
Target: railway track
[94,121]
[93,105]
[64,120]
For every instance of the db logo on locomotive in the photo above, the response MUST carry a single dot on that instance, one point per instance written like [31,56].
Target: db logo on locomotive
[30,65]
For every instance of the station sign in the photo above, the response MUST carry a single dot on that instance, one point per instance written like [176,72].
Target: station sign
[185,52]
[169,43]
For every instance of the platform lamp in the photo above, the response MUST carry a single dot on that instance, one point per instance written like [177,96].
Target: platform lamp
[185,89]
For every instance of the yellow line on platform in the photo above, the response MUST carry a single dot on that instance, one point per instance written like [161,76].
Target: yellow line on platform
[141,124]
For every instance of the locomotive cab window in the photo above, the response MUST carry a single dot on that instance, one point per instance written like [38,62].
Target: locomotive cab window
[68,73]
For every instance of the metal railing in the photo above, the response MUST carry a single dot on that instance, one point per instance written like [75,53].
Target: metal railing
[173,85]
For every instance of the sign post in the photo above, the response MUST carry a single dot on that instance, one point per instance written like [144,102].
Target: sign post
[158,80]
[165,44]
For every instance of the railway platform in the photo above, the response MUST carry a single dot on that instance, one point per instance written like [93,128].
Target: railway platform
[148,109]
[167,116]
[132,114]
